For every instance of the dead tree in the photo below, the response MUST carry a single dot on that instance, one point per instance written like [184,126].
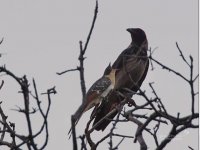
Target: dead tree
[156,112]
[9,136]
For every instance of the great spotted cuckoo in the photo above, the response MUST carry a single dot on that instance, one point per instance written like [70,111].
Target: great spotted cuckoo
[97,92]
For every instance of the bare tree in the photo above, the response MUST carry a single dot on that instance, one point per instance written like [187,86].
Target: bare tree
[17,140]
[156,113]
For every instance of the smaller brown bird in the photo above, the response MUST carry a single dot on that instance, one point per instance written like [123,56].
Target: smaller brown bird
[97,92]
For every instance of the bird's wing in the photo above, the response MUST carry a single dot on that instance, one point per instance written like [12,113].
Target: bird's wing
[97,89]
[142,77]
[93,93]
[104,109]
[114,99]
[119,62]
[132,67]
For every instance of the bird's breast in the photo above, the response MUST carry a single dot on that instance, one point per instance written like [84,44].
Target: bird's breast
[107,91]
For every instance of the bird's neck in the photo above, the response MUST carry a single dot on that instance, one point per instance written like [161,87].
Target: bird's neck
[111,76]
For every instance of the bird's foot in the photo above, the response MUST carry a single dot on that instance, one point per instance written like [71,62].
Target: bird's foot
[131,102]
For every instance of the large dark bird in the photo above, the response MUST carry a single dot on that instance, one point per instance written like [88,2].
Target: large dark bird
[132,65]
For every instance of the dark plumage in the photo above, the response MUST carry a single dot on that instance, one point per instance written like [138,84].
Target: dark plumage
[132,65]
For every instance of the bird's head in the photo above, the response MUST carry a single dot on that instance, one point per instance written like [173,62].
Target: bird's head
[112,75]
[108,69]
[138,35]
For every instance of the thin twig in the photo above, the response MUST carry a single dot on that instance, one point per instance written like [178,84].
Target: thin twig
[169,69]
[154,92]
[1,41]
[69,70]
[139,137]
[2,83]
[81,71]
[92,26]
[191,84]
[181,54]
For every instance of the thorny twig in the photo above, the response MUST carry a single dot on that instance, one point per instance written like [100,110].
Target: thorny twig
[80,68]
[28,140]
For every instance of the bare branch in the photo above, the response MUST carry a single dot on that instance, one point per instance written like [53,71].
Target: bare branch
[190,148]
[171,135]
[139,138]
[154,92]
[82,52]
[75,147]
[116,147]
[43,114]
[126,136]
[2,83]
[181,54]
[112,131]
[83,144]
[92,26]
[81,71]
[192,84]
[197,76]
[1,41]
[169,69]
[60,73]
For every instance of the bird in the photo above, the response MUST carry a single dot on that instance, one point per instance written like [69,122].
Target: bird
[96,93]
[99,90]
[132,65]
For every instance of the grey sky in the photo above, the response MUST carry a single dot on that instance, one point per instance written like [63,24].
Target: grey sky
[41,38]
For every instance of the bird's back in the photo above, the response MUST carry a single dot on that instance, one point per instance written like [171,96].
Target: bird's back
[133,65]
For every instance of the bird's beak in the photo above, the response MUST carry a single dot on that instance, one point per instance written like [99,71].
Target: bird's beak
[129,30]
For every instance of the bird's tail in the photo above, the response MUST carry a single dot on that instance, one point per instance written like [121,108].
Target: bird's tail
[77,117]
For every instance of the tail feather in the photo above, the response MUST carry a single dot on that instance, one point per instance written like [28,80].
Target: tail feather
[77,117]
[83,108]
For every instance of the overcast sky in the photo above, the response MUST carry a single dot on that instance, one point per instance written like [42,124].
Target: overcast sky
[42,38]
